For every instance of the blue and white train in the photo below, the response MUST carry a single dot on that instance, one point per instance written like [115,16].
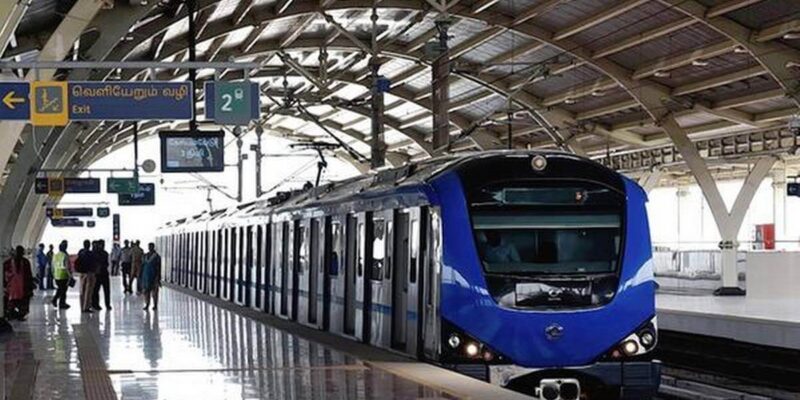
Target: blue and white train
[530,270]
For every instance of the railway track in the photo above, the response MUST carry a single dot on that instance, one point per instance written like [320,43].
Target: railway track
[688,385]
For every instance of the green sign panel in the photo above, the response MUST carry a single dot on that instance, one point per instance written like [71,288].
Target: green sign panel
[122,185]
[232,103]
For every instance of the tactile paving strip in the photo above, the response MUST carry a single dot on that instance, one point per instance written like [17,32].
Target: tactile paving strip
[96,381]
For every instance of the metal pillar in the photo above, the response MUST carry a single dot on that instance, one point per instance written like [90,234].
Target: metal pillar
[192,6]
[779,202]
[259,154]
[440,87]
[650,180]
[378,156]
[240,164]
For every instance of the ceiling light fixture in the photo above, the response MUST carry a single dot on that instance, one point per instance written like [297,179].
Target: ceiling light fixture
[570,101]
[792,36]
[662,74]
[598,93]
[740,50]
[700,63]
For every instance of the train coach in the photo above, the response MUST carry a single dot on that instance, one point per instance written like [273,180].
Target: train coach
[530,270]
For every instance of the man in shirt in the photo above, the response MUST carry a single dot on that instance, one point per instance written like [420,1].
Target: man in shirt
[137,256]
[125,259]
[41,266]
[62,275]
[116,254]
[102,279]
[86,266]
[49,270]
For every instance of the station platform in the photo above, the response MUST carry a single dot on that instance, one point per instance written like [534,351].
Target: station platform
[193,348]
[766,322]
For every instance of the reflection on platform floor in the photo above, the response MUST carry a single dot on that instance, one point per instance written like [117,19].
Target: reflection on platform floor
[188,349]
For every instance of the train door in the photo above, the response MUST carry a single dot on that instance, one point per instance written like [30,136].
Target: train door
[326,267]
[299,272]
[249,265]
[431,285]
[400,281]
[313,271]
[363,285]
[226,270]
[351,233]
[285,268]
[204,262]
[195,250]
[416,243]
[220,249]
[380,262]
[266,270]
[257,270]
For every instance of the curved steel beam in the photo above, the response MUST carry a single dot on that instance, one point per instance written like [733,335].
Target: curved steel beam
[773,56]
[557,117]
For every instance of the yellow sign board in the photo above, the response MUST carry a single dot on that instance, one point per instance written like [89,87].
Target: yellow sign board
[49,103]
[55,186]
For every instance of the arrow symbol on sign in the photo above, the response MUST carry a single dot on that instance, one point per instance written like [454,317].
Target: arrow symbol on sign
[9,100]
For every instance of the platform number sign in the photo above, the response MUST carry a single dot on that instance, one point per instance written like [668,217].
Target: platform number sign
[232,103]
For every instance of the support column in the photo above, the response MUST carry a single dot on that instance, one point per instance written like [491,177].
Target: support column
[779,201]
[650,180]
[440,87]
[377,144]
[728,223]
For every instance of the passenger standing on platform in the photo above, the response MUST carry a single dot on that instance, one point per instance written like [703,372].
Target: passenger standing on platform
[18,284]
[102,279]
[49,271]
[136,266]
[150,278]
[85,265]
[62,275]
[125,259]
[116,254]
[41,266]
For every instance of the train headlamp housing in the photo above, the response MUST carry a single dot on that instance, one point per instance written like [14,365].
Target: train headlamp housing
[458,347]
[642,341]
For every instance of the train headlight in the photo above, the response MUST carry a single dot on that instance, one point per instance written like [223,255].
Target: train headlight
[454,341]
[642,341]
[538,163]
[648,339]
[472,349]
[630,347]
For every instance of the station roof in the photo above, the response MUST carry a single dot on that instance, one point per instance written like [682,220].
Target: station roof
[602,74]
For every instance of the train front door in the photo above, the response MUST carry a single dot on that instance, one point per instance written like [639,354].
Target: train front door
[350,274]
[400,280]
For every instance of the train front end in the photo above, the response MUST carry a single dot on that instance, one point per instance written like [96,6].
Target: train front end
[547,283]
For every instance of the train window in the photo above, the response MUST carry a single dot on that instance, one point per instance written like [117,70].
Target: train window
[412,268]
[336,244]
[378,249]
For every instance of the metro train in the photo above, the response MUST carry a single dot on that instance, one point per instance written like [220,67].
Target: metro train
[529,270]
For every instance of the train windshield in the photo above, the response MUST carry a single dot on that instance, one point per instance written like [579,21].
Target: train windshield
[547,227]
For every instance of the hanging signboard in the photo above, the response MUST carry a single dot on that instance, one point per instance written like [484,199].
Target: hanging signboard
[232,103]
[67,222]
[59,186]
[186,151]
[146,196]
[103,212]
[115,234]
[122,185]
[68,212]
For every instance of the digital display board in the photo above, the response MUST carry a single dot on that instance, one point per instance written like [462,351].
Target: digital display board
[103,212]
[192,151]
[68,212]
[793,189]
[145,197]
